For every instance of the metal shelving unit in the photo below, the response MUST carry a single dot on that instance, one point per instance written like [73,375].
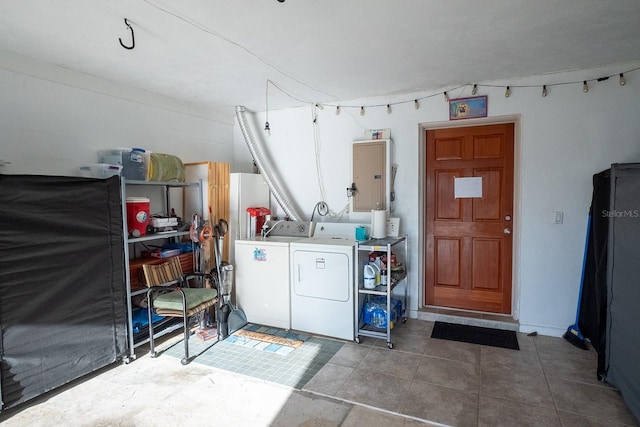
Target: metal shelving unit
[395,278]
[167,325]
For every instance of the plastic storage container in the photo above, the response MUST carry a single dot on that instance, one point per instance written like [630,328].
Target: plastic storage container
[134,161]
[137,216]
[100,170]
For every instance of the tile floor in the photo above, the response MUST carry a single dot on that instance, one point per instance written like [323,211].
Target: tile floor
[548,382]
[422,381]
[292,368]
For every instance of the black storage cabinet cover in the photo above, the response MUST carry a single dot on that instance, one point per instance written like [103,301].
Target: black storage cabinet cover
[62,294]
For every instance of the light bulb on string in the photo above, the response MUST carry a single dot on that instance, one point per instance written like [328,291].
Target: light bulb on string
[474,91]
[585,86]
[320,106]
[337,110]
[416,104]
[446,97]
[623,81]
[362,111]
[388,108]
[544,91]
[507,92]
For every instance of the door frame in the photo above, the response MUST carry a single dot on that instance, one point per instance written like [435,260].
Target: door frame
[517,208]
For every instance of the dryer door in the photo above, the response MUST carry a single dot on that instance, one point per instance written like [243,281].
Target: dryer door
[323,275]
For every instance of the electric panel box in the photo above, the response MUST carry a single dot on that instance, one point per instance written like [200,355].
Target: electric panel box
[372,175]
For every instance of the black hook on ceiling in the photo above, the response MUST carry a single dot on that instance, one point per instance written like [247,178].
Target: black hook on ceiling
[133,39]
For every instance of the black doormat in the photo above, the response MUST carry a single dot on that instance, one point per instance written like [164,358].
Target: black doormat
[475,335]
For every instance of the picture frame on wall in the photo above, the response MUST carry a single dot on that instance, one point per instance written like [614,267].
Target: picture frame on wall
[468,108]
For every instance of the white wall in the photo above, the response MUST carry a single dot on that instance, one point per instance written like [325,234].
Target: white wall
[52,120]
[562,141]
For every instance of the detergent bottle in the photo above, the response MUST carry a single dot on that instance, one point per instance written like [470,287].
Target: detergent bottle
[369,276]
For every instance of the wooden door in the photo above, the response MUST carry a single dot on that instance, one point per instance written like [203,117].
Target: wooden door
[469,238]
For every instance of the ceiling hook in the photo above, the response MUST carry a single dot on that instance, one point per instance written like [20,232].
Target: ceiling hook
[133,39]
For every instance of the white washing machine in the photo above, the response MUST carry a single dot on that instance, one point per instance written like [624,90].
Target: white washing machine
[322,300]
[262,274]
[262,280]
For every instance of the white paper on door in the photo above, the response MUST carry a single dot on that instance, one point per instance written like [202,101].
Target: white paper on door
[467,187]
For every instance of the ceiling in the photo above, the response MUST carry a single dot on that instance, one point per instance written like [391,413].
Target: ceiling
[220,53]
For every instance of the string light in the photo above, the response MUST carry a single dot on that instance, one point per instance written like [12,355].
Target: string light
[445,94]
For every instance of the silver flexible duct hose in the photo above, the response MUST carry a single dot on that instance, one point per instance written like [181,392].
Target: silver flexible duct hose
[265,167]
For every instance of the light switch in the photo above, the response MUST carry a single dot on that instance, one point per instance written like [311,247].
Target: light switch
[558,217]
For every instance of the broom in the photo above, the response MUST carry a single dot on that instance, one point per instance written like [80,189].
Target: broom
[573,334]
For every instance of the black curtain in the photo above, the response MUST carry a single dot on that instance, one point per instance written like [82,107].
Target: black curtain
[593,306]
[62,292]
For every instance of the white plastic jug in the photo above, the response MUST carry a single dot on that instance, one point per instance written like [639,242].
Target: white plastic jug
[377,271]
[369,276]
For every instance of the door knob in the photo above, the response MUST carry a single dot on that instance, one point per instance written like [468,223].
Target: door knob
[507,231]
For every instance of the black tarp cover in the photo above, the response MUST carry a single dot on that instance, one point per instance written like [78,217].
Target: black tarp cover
[593,306]
[623,285]
[62,294]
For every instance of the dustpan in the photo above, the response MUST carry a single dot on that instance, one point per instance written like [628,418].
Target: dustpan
[236,319]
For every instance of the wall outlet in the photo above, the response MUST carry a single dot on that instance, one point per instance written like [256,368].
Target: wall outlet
[558,217]
[393,227]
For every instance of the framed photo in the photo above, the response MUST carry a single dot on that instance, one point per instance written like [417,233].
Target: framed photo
[468,108]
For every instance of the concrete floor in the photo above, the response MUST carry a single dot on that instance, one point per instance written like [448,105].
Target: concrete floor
[547,383]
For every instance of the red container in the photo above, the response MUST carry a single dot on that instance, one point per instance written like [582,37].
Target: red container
[256,217]
[137,216]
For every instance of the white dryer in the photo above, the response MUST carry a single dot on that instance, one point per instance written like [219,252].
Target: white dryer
[322,300]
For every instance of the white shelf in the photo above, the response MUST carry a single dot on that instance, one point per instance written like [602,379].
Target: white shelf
[363,294]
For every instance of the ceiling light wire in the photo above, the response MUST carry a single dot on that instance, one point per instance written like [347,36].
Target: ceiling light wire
[267,128]
[234,43]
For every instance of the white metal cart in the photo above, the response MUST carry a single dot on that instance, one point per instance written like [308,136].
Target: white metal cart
[395,277]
